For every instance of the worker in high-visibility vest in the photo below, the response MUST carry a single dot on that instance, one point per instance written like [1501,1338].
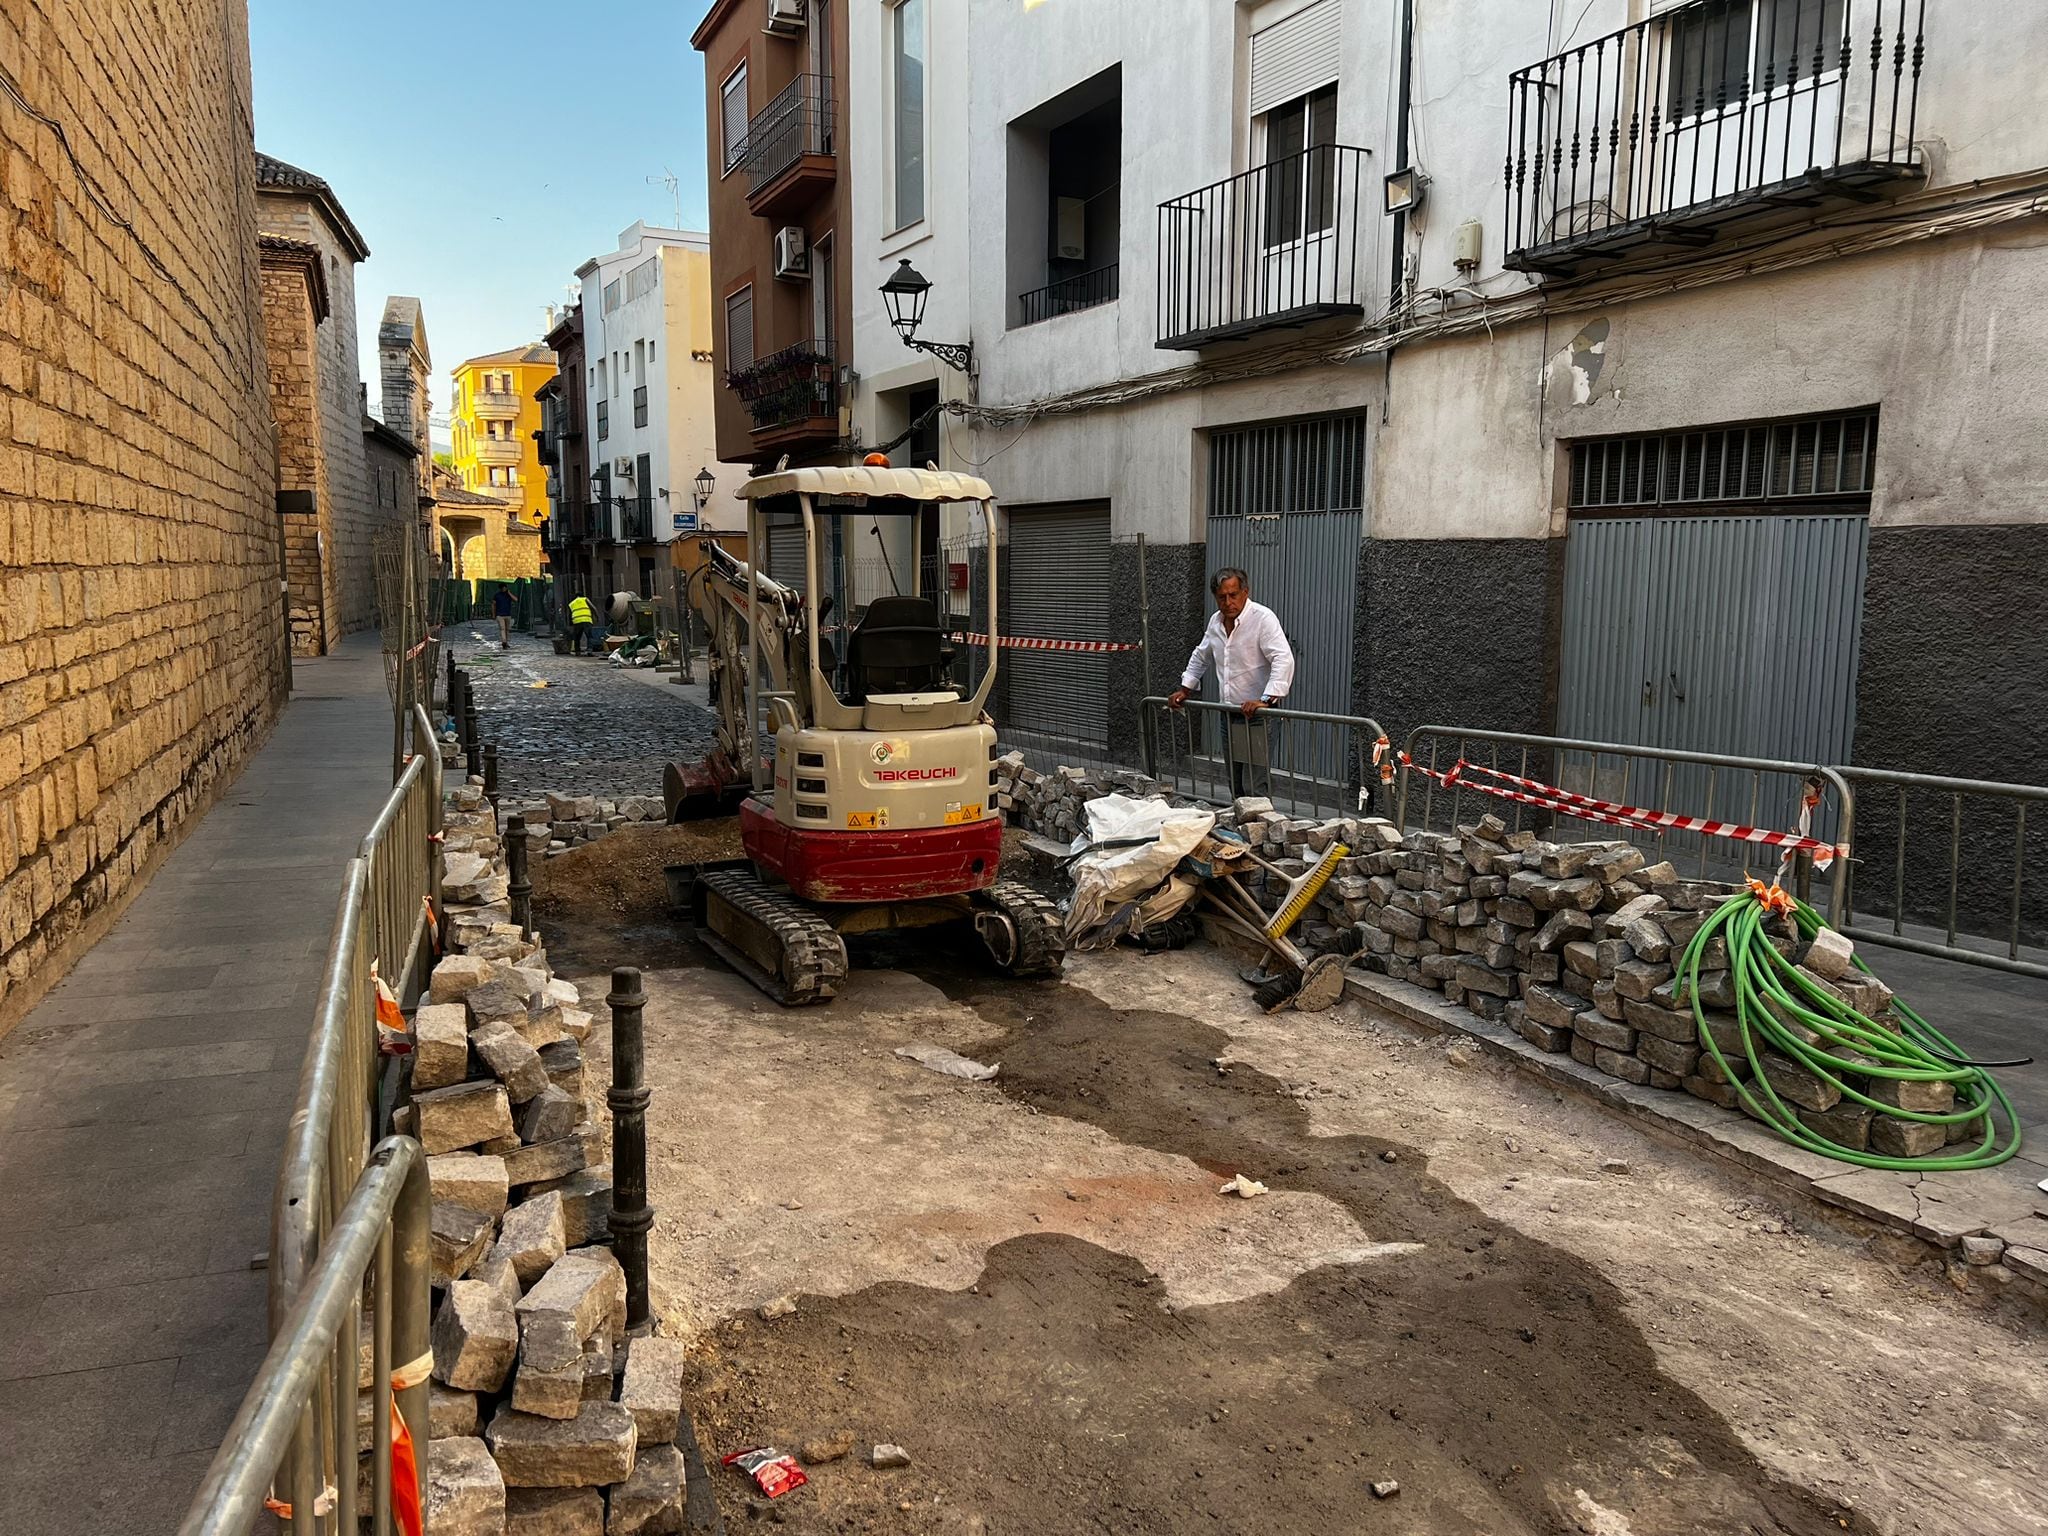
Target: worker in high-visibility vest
[581,617]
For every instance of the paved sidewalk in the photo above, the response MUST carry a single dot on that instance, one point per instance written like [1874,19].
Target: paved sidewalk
[142,1111]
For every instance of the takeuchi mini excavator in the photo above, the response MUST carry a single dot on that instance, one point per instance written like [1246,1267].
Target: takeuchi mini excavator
[872,807]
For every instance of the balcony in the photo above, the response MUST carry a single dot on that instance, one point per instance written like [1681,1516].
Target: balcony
[1082,291]
[1719,115]
[494,405]
[792,395]
[788,156]
[1273,248]
[497,450]
[636,519]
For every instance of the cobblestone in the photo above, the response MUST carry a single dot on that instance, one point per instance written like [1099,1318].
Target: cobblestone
[591,731]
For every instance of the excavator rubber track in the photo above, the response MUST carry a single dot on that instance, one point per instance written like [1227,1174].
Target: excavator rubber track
[769,937]
[1041,934]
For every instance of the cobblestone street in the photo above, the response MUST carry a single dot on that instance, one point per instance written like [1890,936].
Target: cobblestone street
[594,730]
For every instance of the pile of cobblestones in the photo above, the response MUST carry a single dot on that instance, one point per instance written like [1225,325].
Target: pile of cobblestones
[545,1416]
[558,822]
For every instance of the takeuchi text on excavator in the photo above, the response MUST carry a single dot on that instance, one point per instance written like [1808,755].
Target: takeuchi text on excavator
[863,771]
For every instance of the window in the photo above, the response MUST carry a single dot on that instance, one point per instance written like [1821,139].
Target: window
[617,372]
[640,281]
[908,53]
[1300,187]
[1827,456]
[732,115]
[640,406]
[1721,53]
[650,351]
[611,295]
[739,330]
[604,420]
[629,365]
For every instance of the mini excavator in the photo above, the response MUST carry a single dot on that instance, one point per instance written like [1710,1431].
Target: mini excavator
[872,806]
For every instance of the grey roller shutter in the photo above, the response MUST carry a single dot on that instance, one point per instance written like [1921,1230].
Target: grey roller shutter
[1058,589]
[1293,57]
[739,330]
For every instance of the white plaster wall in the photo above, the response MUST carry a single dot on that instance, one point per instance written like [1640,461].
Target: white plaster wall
[1980,102]
[1184,127]
[1949,339]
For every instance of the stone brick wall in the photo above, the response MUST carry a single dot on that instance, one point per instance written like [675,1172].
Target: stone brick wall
[348,576]
[141,654]
[394,483]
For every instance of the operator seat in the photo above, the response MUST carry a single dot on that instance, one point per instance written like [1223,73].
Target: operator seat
[898,647]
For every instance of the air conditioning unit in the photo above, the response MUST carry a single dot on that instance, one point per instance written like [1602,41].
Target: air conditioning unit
[623,467]
[786,17]
[792,253]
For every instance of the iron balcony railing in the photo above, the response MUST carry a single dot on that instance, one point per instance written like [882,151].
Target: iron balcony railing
[1705,114]
[796,123]
[636,519]
[1276,246]
[1083,291]
[790,388]
[640,405]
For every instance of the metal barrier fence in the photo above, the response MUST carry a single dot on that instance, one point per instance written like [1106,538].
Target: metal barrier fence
[1758,792]
[379,1238]
[1964,893]
[1308,764]
[301,1413]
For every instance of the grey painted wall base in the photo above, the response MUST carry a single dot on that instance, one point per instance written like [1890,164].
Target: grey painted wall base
[1458,632]
[1953,679]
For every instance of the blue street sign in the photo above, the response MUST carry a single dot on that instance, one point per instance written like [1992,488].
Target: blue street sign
[686,522]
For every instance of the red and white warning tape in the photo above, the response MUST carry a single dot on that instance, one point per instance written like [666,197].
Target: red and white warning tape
[1035,643]
[1586,808]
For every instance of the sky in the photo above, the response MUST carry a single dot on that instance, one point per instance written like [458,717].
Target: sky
[485,151]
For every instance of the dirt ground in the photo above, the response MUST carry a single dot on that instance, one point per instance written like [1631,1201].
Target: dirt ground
[1034,1286]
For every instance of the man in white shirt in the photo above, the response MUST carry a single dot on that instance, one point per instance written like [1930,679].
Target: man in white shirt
[1253,662]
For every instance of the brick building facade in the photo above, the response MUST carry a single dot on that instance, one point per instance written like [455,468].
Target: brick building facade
[330,529]
[141,652]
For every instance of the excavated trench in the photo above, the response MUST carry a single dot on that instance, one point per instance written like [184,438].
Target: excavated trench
[1497,1378]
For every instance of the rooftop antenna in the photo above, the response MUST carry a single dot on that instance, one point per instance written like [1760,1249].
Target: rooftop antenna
[667,178]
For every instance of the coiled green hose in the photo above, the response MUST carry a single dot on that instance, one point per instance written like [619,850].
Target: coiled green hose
[1846,1042]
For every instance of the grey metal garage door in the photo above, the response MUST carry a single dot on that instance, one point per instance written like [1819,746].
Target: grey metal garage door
[1058,589]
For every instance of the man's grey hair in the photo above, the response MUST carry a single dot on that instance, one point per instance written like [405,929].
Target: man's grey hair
[1228,573]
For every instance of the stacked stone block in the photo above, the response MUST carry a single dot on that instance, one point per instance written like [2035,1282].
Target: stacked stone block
[1054,804]
[1575,946]
[547,1417]
[558,822]
[141,644]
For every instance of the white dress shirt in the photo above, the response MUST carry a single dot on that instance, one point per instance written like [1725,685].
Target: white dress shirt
[1252,661]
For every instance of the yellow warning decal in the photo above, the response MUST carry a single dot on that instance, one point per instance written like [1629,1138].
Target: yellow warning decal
[964,813]
[866,821]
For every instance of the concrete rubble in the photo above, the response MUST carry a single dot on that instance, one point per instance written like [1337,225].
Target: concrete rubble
[545,1416]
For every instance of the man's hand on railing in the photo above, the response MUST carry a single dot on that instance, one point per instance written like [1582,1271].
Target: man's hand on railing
[1177,698]
[1251,707]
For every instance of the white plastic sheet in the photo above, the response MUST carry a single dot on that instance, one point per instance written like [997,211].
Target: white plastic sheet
[1159,837]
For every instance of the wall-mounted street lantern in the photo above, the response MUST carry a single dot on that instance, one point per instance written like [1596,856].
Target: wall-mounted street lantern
[703,488]
[904,295]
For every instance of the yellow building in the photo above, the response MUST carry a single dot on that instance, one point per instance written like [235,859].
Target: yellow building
[495,416]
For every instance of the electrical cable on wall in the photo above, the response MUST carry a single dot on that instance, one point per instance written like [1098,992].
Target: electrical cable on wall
[101,201]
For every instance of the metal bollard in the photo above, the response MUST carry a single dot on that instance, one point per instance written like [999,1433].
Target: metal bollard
[491,773]
[449,696]
[517,886]
[470,743]
[628,1096]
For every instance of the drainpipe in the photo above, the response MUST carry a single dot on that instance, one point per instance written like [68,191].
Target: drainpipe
[1399,270]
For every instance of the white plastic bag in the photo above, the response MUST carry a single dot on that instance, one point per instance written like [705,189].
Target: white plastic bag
[1159,836]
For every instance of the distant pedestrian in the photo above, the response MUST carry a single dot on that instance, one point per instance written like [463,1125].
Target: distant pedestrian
[501,605]
[1254,667]
[581,617]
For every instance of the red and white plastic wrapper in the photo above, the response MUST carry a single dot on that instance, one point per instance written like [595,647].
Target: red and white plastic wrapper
[774,1472]
[394,1038]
